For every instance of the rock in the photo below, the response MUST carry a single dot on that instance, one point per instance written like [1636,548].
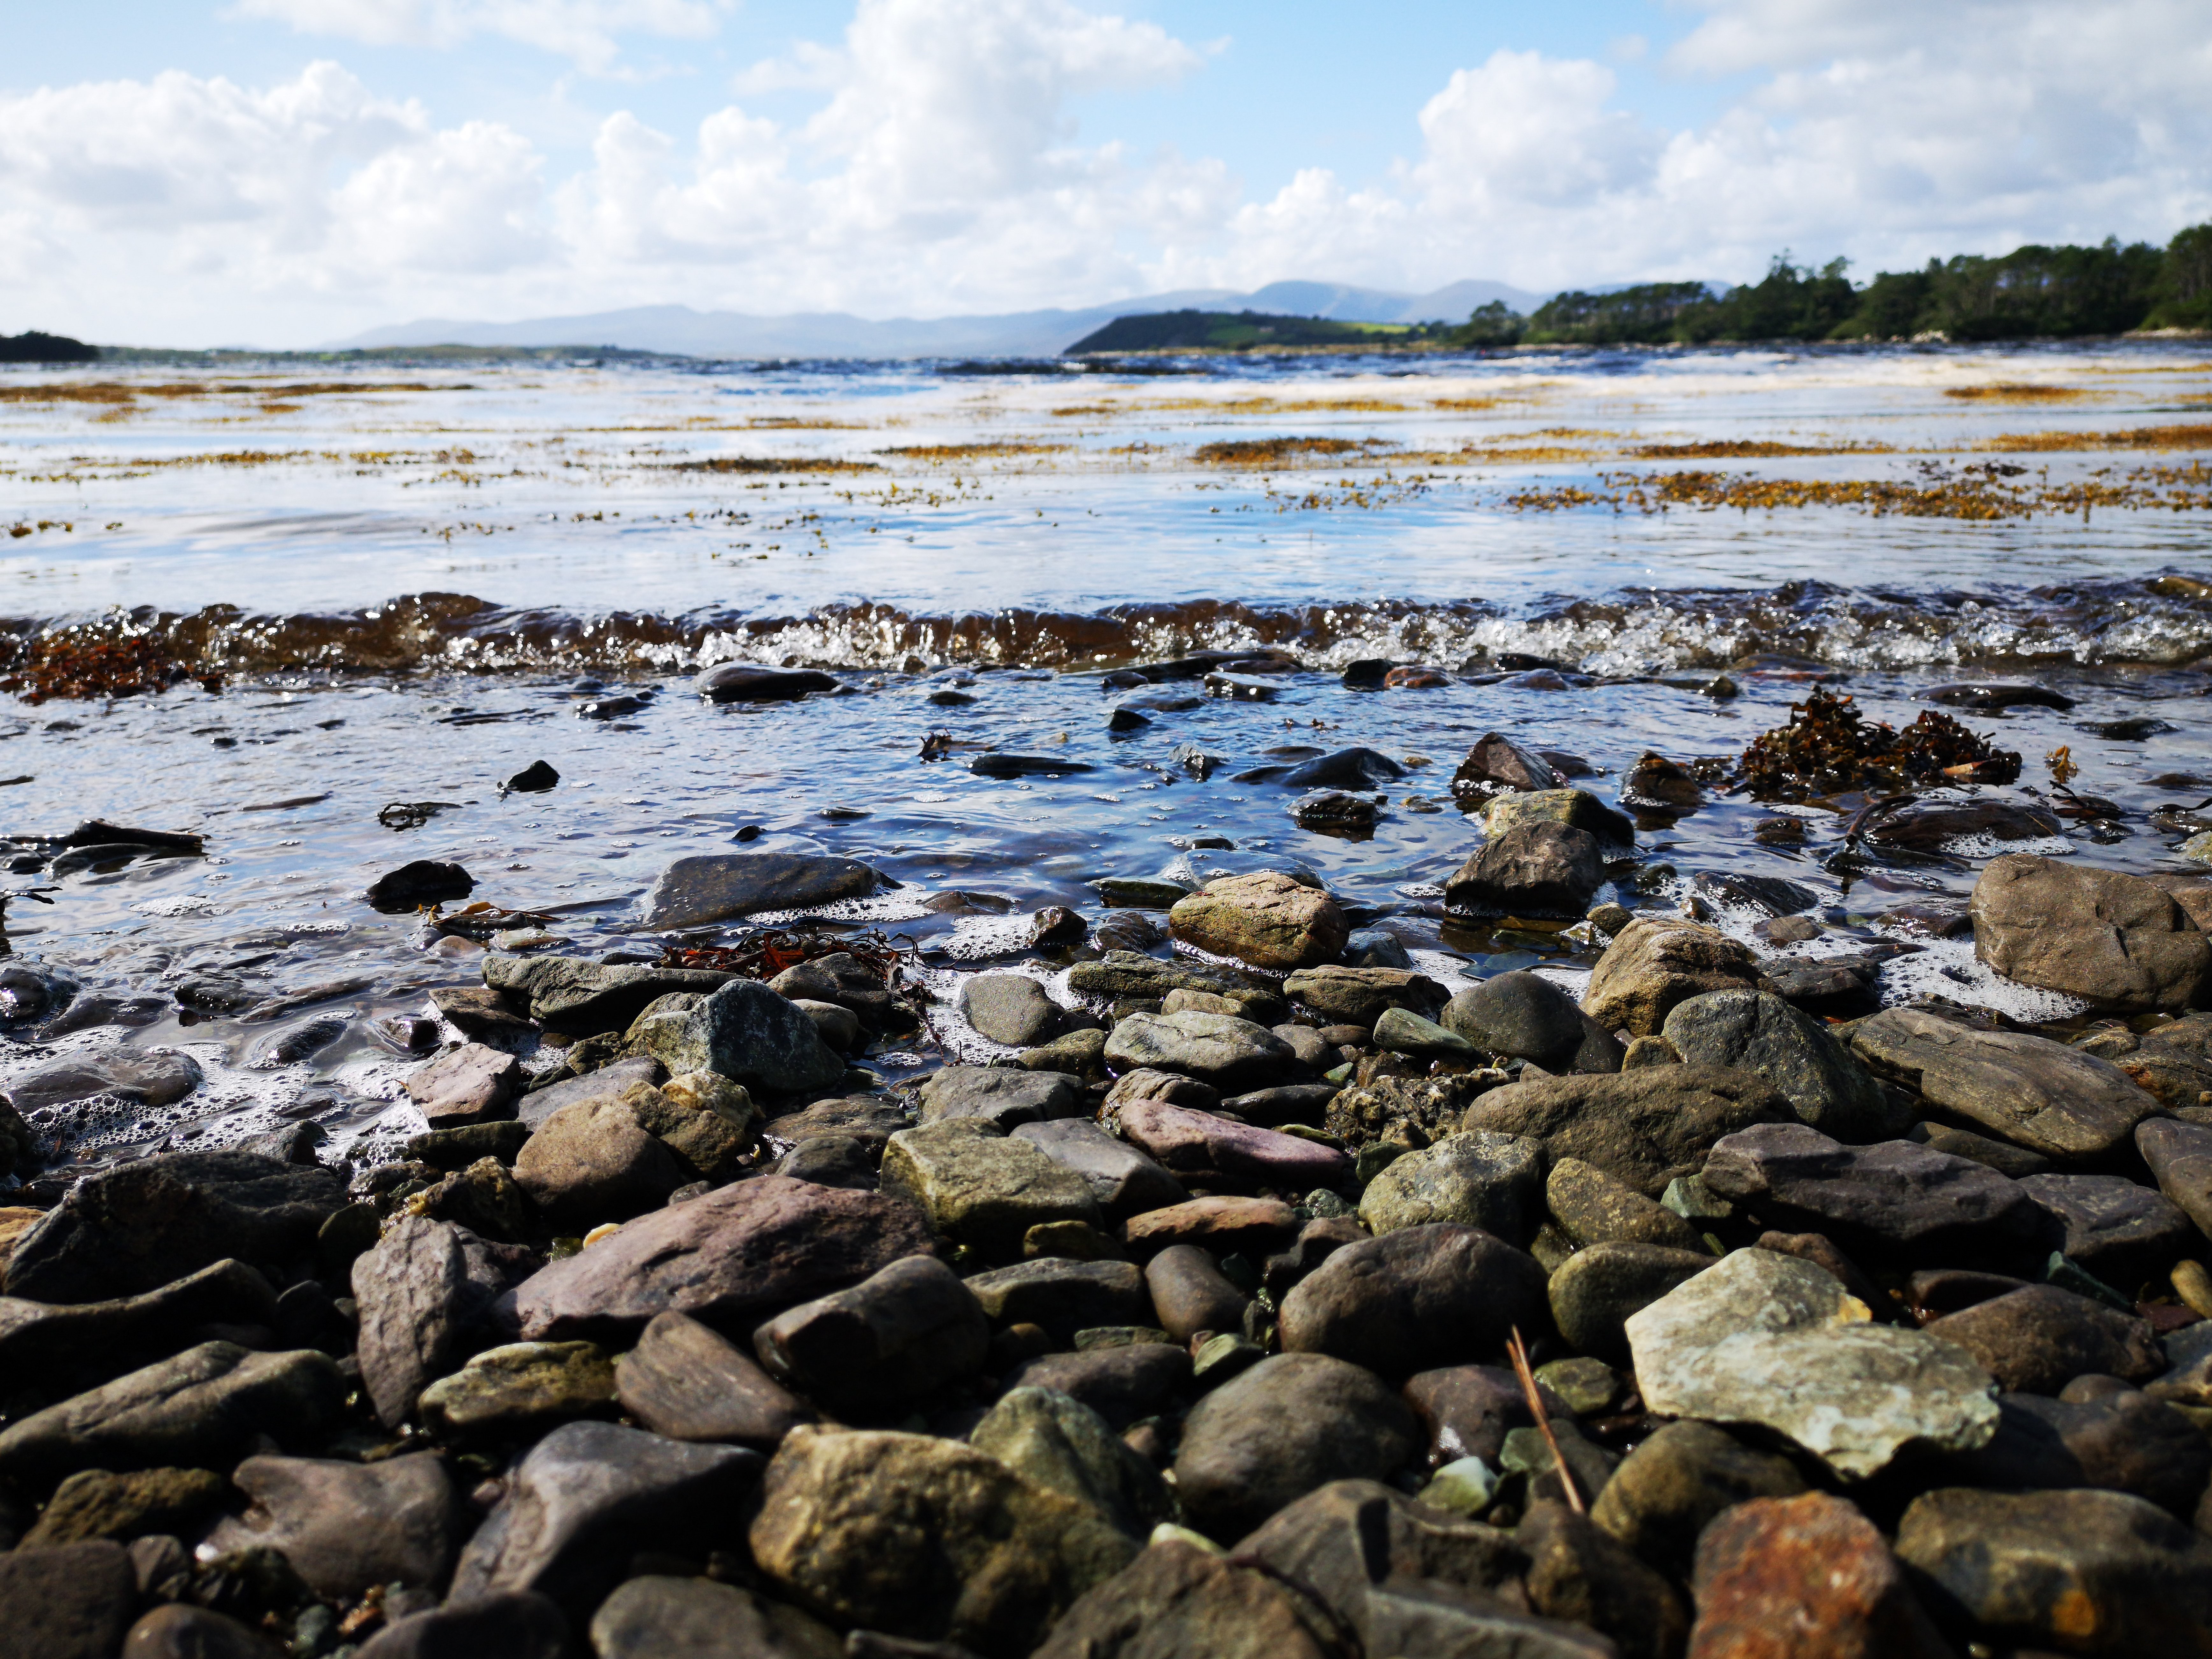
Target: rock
[1062,1295]
[1645,1128]
[1525,1016]
[1012,1009]
[2171,1062]
[179,1631]
[519,1390]
[1286,1102]
[708,1122]
[137,1075]
[2181,1159]
[94,1503]
[1220,1050]
[1196,1147]
[1130,974]
[1125,1181]
[414,885]
[1291,1424]
[1026,766]
[1400,1032]
[1467,1411]
[2039,1338]
[1575,808]
[1120,1384]
[1538,869]
[1251,1226]
[868,1118]
[1591,1207]
[1422,1296]
[1999,1155]
[1409,1111]
[2087,1571]
[1056,1442]
[1190,1295]
[471,1084]
[1179,1602]
[477,1012]
[744,681]
[51,1349]
[457,1148]
[1479,1180]
[838,1027]
[202,1409]
[1780,1576]
[1664,1492]
[73,1602]
[686,1382]
[2118,940]
[1173,1088]
[744,1032]
[1890,1202]
[526,1626]
[734,1253]
[1360,996]
[588,1497]
[1596,1291]
[1653,965]
[2122,1441]
[2033,1092]
[927,1539]
[980,1188]
[1266,919]
[1080,1053]
[1769,1339]
[1000,1097]
[692,892]
[1758,1032]
[1497,765]
[655,1617]
[1376,947]
[593,1162]
[426,1293]
[2122,1232]
[345,1527]
[904,1332]
[1579,1573]
[578,997]
[610,1082]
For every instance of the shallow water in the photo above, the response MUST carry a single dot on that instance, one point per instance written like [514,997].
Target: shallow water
[542,514]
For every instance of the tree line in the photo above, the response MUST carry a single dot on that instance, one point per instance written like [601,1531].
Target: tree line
[2033,291]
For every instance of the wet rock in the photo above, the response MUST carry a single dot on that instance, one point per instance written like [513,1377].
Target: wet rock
[1079,1053]
[1249,1226]
[1758,1032]
[425,1291]
[1026,766]
[1287,1103]
[534,779]
[1778,1576]
[841,978]
[1769,895]
[1266,919]
[1012,1009]
[1125,1181]
[2038,1338]
[2120,1231]
[1479,1180]
[94,1503]
[1963,827]
[904,1332]
[76,1601]
[203,1409]
[1769,1339]
[1057,1443]
[2119,940]
[1197,1147]
[1230,1054]
[1497,765]
[1000,1097]
[736,1252]
[518,1389]
[2033,1092]
[1422,1296]
[1664,1492]
[1360,996]
[1121,1385]
[51,1349]
[838,1027]
[2181,1159]
[411,886]
[31,991]
[2086,1572]
[594,1162]
[526,1626]
[1128,973]
[686,1382]
[1890,1202]
[140,1225]
[577,997]
[868,1118]
[1538,869]
[1579,1573]
[1169,1087]
[1575,808]
[1291,1424]
[654,1617]
[980,1188]
[138,1075]
[1376,947]
[472,1083]
[1179,1602]
[589,1497]
[744,1032]
[712,887]
[2122,1441]
[345,1527]
[744,682]
[1343,769]
[1653,965]
[1597,1290]
[927,1539]
[1645,1128]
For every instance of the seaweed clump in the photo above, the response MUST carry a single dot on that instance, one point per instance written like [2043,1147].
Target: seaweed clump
[1830,746]
[89,665]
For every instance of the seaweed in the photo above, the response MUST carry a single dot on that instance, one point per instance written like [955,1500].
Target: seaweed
[766,955]
[1829,745]
[90,665]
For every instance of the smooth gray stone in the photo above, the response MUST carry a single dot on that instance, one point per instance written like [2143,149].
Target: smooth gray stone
[579,997]
[134,1075]
[1001,1095]
[1757,1031]
[715,886]
[345,1527]
[610,1082]
[1125,1182]
[744,1032]
[1012,1009]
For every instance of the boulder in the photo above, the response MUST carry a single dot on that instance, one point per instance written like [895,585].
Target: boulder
[2118,940]
[686,1382]
[135,1227]
[1198,1147]
[472,1083]
[345,1527]
[1757,1031]
[1001,1096]
[1125,1181]
[1663,1493]
[1422,1296]
[1179,1602]
[981,1187]
[2096,1433]
[2123,1232]
[2035,1093]
[426,1294]
[1220,1050]
[1578,809]
[744,1032]
[900,1334]
[1012,1009]
[2181,1159]
[1645,1128]
[1497,765]
[1540,869]
[1596,1291]
[1056,1443]
[712,887]
[927,1539]
[1267,919]
[739,1252]
[2038,1338]
[1769,1339]
[1781,1576]
[1524,1015]
[594,1162]
[1655,963]
[1360,996]
[75,1601]
[577,997]
[1591,1207]
[1479,1180]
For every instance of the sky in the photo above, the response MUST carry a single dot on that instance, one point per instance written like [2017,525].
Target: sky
[283,172]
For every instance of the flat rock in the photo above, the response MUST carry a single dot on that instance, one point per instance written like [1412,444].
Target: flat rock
[1757,1031]
[659,1617]
[1644,1127]
[1062,1295]
[94,1503]
[904,1332]
[1267,919]
[1012,1009]
[473,1083]
[610,1082]
[1537,869]
[739,1251]
[141,1076]
[578,997]
[712,887]
[744,1032]
[1197,1147]
[687,1382]
[2123,1232]
[1132,974]
[1770,1339]
[1125,1181]
[1780,1576]
[521,1626]
[51,1349]
[594,1162]
[1122,1385]
[1251,1226]
[745,681]
[2038,1338]
[518,1389]
[345,1527]
[1591,1207]
[426,1291]
[1478,1179]
[2116,939]
[2032,1091]
[980,1188]
[1221,1049]
[1360,996]
[1427,1295]
[1653,964]
[1001,1095]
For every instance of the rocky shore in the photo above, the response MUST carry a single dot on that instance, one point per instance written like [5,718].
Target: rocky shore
[1264,1296]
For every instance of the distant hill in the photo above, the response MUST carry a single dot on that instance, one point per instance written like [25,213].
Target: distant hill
[33,346]
[1241,331]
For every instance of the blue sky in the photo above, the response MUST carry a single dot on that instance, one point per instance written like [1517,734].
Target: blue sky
[287,171]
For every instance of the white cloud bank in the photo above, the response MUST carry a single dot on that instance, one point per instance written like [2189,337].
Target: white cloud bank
[942,171]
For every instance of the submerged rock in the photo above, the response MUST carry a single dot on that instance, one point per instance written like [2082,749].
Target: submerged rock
[1266,919]
[692,892]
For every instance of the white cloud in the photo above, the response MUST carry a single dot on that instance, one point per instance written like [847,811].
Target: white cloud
[583,30]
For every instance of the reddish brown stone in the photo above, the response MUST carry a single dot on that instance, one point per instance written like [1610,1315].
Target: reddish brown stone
[1786,1578]
[1256,1226]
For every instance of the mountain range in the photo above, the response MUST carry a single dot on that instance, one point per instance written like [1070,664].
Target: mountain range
[681,329]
